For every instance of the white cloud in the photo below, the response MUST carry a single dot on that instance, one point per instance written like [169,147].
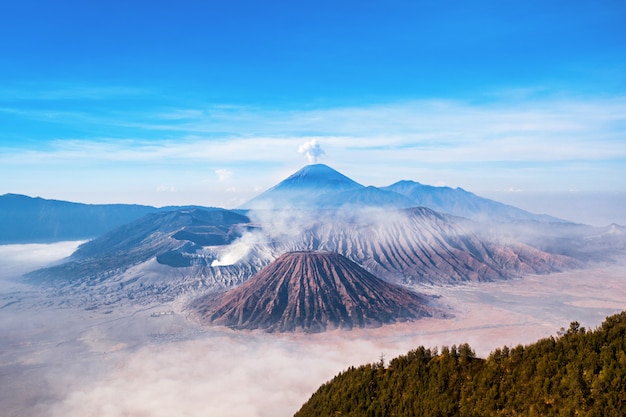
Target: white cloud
[19,259]
[448,130]
[223,174]
[166,188]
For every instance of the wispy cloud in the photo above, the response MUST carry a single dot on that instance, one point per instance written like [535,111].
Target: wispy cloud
[223,174]
[541,143]
[69,92]
[448,130]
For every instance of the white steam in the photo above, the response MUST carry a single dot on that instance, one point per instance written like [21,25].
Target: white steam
[280,225]
[238,250]
[284,225]
[312,150]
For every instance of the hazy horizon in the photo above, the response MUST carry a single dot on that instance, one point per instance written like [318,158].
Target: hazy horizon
[594,208]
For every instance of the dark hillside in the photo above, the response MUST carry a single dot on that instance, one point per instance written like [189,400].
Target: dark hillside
[578,373]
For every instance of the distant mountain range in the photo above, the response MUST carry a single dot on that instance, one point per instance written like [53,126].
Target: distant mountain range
[191,252]
[319,186]
[26,219]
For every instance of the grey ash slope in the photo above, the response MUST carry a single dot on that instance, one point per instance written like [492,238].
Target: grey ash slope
[156,258]
[419,245]
[198,226]
[312,292]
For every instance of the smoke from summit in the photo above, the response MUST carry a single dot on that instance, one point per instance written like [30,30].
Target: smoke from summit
[312,150]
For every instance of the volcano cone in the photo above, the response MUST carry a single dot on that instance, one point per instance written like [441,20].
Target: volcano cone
[312,292]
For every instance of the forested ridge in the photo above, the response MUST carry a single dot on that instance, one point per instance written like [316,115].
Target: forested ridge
[577,373]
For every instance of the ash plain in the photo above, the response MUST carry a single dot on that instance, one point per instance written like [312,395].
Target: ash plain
[57,359]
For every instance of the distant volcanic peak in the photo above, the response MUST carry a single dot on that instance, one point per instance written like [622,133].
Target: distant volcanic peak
[312,291]
[303,188]
[318,176]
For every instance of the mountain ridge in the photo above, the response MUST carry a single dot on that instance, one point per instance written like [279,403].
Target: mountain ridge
[25,219]
[319,186]
[460,202]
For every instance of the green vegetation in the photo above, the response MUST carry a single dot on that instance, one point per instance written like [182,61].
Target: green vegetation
[579,373]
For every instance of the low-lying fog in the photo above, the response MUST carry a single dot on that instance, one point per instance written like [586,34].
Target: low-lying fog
[151,361]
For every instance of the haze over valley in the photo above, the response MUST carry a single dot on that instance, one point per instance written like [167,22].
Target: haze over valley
[67,361]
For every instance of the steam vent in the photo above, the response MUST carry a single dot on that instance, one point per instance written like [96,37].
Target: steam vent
[312,292]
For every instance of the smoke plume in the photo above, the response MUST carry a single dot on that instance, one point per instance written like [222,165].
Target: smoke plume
[312,150]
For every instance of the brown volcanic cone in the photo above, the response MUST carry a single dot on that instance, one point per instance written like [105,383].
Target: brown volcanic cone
[312,291]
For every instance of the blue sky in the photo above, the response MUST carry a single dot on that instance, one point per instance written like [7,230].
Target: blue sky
[206,102]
